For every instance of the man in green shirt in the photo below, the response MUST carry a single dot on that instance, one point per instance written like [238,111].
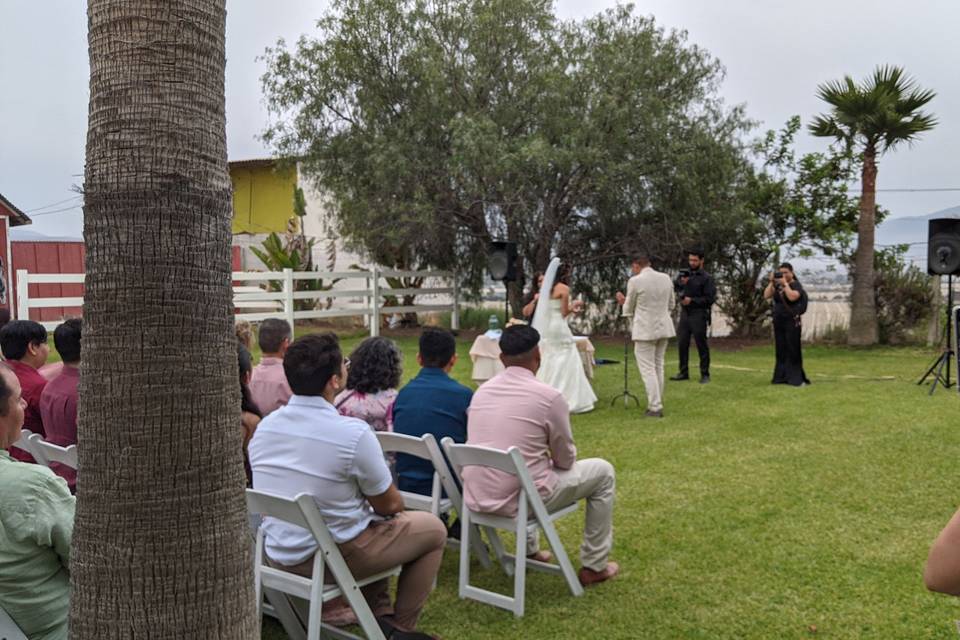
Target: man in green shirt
[36,525]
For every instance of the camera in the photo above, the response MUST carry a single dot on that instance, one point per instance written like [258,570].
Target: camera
[777,275]
[684,273]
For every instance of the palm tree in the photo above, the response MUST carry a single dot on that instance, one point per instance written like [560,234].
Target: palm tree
[871,118]
[160,547]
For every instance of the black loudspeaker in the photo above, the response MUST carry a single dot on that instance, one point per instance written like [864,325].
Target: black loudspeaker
[502,261]
[943,247]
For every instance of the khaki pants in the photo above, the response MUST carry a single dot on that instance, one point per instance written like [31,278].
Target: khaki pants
[592,479]
[650,355]
[414,539]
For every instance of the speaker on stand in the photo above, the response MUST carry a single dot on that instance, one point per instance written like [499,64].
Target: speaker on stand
[943,258]
[502,266]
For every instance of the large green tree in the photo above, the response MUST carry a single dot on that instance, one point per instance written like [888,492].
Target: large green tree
[437,126]
[871,118]
[786,204]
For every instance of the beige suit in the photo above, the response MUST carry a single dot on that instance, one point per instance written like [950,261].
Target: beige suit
[650,299]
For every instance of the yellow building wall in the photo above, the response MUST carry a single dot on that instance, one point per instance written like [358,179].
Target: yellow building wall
[262,198]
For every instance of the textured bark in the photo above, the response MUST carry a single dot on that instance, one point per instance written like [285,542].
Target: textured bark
[863,313]
[160,548]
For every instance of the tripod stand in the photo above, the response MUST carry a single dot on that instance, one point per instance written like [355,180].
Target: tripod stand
[625,394]
[942,362]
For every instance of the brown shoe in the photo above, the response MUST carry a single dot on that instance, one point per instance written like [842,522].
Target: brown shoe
[590,577]
[653,414]
[541,556]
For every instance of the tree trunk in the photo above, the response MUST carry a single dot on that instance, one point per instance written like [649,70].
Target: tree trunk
[863,312]
[160,546]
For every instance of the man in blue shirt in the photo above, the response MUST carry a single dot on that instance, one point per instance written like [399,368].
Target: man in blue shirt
[433,402]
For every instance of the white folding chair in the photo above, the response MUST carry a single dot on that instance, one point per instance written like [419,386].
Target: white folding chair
[24,444]
[426,448]
[9,629]
[511,462]
[55,453]
[302,511]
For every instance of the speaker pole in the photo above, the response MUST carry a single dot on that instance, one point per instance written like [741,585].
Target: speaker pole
[941,365]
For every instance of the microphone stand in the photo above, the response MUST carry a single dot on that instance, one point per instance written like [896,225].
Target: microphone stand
[625,394]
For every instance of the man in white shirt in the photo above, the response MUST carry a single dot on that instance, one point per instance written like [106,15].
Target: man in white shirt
[307,447]
[649,301]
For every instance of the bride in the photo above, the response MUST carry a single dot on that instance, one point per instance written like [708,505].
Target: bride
[560,365]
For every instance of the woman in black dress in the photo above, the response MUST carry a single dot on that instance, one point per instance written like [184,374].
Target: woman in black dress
[789,304]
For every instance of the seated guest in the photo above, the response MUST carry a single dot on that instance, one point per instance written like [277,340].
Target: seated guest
[244,331]
[36,525]
[249,412]
[268,386]
[516,409]
[58,402]
[433,402]
[375,369]
[307,446]
[24,346]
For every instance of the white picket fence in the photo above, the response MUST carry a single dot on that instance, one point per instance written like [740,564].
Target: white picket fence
[364,299]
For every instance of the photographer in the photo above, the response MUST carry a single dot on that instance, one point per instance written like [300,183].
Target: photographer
[789,303]
[697,293]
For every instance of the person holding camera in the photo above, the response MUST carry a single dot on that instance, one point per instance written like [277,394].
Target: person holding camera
[789,304]
[697,293]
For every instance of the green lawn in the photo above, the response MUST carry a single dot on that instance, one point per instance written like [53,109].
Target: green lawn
[751,511]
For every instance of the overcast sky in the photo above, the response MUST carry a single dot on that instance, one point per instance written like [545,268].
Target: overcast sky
[775,52]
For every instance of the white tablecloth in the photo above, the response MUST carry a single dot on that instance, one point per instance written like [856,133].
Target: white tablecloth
[485,354]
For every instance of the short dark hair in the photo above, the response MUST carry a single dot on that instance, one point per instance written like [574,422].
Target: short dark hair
[695,252]
[641,258]
[786,265]
[311,361]
[375,365]
[437,347]
[66,338]
[518,340]
[272,333]
[17,335]
[5,390]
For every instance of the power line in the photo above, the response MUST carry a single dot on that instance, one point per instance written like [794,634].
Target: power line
[934,190]
[48,213]
[52,204]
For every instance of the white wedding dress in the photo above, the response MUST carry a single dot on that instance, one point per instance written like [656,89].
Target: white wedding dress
[560,366]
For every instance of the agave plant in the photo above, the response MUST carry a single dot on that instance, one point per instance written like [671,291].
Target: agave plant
[294,252]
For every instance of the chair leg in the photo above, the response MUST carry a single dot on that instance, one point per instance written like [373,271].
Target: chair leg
[499,550]
[465,529]
[562,558]
[520,561]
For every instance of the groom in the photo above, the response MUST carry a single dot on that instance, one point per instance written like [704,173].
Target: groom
[649,300]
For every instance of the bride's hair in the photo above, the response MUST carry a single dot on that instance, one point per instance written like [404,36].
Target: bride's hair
[563,274]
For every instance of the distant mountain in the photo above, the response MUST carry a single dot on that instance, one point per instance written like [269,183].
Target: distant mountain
[911,229]
[25,234]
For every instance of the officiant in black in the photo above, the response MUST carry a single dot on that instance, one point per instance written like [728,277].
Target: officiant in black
[789,304]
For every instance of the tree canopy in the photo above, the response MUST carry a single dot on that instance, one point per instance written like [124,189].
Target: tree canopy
[438,126]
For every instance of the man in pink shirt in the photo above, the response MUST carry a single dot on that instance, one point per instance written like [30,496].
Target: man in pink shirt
[514,409]
[58,402]
[268,386]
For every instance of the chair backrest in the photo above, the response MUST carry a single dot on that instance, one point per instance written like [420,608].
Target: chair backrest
[425,448]
[24,441]
[55,453]
[301,511]
[510,461]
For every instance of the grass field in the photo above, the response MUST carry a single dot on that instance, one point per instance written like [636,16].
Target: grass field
[751,511]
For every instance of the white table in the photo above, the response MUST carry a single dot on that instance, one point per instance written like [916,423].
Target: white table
[485,354]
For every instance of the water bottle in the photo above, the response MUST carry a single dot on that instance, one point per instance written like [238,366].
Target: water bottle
[494,323]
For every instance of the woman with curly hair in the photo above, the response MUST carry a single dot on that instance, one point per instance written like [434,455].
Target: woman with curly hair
[375,369]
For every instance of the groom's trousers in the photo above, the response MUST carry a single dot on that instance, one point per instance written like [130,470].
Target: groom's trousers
[650,355]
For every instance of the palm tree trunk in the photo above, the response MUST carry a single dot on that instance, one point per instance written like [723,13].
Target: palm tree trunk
[863,313]
[160,547]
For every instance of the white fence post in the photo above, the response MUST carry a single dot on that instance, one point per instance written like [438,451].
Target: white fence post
[455,315]
[375,303]
[288,296]
[23,295]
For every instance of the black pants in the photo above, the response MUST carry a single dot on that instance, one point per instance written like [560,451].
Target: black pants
[693,322]
[789,367]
